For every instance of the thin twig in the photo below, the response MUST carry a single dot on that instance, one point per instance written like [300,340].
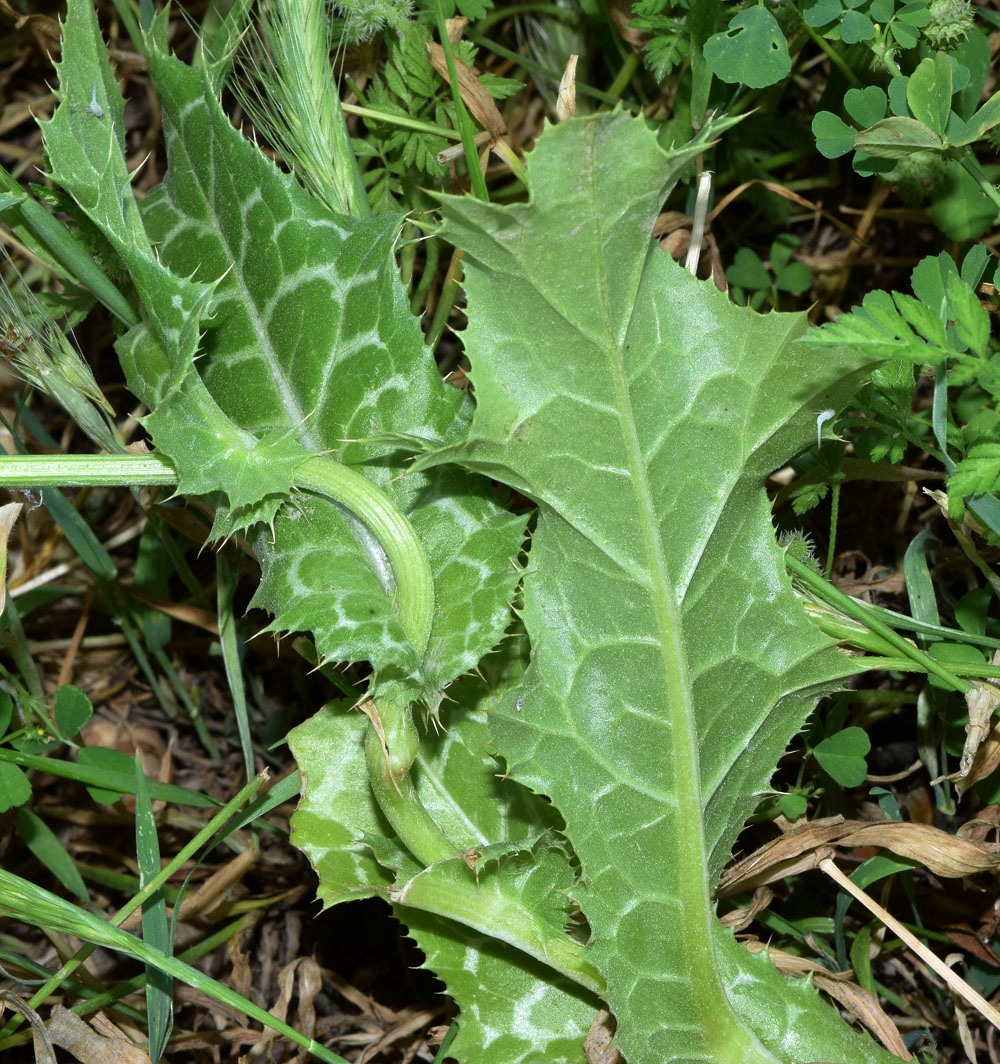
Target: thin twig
[954,981]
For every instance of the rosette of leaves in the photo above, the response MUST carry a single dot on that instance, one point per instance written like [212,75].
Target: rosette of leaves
[927,138]
[883,25]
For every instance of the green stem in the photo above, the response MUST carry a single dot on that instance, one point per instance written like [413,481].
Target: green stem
[34,471]
[931,632]
[970,164]
[446,302]
[461,113]
[834,56]
[624,75]
[702,22]
[835,597]
[831,552]
[414,594]
[989,673]
[21,654]
[104,778]
[402,121]
[390,748]
[399,802]
[418,294]
[411,571]
[189,956]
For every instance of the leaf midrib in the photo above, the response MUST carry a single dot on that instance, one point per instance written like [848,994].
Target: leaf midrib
[696,941]
[676,684]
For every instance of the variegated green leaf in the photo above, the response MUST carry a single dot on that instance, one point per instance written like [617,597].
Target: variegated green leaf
[514,1008]
[311,345]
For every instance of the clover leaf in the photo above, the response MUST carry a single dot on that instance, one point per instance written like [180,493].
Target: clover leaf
[751,51]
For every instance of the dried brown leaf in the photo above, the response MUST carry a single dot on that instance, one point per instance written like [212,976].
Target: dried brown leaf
[784,856]
[41,1040]
[8,515]
[985,762]
[597,1045]
[740,919]
[566,103]
[936,850]
[798,851]
[70,1032]
[303,978]
[474,96]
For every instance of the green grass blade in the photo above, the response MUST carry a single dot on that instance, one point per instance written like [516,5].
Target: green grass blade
[226,580]
[202,838]
[43,843]
[23,900]
[92,1002]
[112,781]
[54,242]
[919,586]
[155,929]
[16,645]
[835,597]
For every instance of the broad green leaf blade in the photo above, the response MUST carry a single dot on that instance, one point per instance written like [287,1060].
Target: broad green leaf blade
[309,315]
[465,541]
[834,137]
[523,1012]
[85,138]
[866,106]
[85,145]
[671,663]
[72,710]
[985,119]
[843,756]
[15,789]
[929,92]
[751,51]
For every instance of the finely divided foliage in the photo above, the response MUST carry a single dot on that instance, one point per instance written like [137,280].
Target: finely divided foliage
[592,780]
